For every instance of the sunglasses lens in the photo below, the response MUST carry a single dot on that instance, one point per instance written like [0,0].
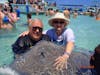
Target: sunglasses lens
[55,22]
[61,22]
[35,28]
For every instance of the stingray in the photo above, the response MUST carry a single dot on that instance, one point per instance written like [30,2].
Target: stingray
[40,58]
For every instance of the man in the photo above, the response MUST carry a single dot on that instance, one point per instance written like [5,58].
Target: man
[24,43]
[61,35]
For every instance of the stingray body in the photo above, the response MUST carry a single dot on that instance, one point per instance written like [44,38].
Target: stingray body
[40,58]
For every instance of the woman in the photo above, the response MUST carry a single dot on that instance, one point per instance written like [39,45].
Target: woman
[61,35]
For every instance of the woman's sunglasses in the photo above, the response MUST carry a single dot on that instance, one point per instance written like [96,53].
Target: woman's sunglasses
[35,29]
[58,22]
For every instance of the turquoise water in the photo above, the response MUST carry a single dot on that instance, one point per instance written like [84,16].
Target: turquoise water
[87,32]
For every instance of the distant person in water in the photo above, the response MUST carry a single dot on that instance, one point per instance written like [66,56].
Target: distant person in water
[17,10]
[98,15]
[50,12]
[75,14]
[66,13]
[6,20]
[94,62]
[24,43]
[29,16]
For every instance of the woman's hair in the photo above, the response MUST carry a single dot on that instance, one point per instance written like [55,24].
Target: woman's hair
[97,49]
[96,54]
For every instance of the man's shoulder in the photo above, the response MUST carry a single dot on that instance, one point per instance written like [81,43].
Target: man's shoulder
[23,38]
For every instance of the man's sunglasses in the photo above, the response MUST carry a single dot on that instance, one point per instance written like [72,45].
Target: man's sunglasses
[35,29]
[58,22]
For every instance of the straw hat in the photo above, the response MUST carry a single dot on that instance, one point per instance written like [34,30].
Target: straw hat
[58,16]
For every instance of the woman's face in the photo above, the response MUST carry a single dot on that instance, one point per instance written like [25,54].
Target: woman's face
[59,24]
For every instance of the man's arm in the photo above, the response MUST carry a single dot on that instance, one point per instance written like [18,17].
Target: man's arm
[91,66]
[18,46]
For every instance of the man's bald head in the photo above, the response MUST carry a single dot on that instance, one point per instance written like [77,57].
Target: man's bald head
[36,22]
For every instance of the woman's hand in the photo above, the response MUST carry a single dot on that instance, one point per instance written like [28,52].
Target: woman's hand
[24,33]
[61,62]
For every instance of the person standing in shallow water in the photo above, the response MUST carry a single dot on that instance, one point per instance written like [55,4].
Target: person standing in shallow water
[66,13]
[61,35]
[98,15]
[35,35]
[29,17]
[95,61]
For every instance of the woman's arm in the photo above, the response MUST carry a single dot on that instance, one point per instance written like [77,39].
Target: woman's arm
[61,61]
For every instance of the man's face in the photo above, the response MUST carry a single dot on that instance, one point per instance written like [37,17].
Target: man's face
[35,30]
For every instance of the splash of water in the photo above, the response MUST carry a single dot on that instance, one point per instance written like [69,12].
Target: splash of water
[7,71]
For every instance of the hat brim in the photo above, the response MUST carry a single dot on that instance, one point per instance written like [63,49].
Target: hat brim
[51,21]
